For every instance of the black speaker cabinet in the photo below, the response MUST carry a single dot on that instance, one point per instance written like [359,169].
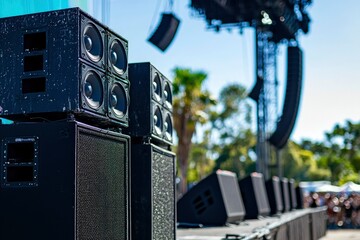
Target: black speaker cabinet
[254,196]
[153,206]
[273,191]
[285,196]
[63,180]
[165,32]
[299,198]
[214,201]
[292,193]
[59,62]
[151,104]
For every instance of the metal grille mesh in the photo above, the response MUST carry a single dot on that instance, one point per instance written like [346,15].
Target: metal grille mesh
[163,197]
[101,187]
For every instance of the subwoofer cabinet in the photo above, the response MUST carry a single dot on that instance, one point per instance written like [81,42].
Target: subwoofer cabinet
[153,209]
[60,62]
[64,181]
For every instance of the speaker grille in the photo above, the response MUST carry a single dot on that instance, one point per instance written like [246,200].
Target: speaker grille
[163,196]
[101,187]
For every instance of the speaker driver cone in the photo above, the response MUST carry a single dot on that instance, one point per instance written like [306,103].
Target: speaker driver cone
[117,57]
[168,95]
[156,84]
[93,90]
[168,127]
[92,42]
[118,100]
[158,121]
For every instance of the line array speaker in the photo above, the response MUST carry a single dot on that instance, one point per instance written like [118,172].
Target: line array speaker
[254,195]
[63,180]
[216,200]
[256,90]
[284,182]
[62,62]
[165,32]
[273,191]
[150,112]
[292,98]
[153,206]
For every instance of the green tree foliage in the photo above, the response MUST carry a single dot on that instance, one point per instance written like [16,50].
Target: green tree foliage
[339,153]
[190,106]
[230,123]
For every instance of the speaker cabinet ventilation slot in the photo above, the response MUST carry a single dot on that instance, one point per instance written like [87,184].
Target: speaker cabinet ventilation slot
[33,63]
[20,152]
[20,174]
[33,85]
[35,41]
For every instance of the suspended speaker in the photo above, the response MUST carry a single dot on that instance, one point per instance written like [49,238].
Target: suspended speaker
[255,92]
[165,32]
[292,99]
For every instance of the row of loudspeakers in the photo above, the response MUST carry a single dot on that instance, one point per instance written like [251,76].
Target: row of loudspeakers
[70,63]
[220,198]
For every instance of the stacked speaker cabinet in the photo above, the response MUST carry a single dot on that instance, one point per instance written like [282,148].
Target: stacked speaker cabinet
[64,162]
[153,177]
[63,180]
[62,62]
[214,201]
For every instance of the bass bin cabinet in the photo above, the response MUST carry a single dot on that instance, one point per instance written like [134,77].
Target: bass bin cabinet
[152,193]
[63,180]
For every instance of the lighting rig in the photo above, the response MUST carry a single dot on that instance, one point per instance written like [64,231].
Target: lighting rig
[275,22]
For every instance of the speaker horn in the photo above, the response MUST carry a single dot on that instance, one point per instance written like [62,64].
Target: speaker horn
[165,32]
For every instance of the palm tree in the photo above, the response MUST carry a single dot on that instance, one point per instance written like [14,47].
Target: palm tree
[191,104]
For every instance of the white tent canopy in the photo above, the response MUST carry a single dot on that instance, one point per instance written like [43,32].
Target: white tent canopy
[350,187]
[328,188]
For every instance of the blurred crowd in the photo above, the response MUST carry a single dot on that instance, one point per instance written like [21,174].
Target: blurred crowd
[343,209]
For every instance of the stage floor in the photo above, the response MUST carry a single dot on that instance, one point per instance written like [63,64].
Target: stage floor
[247,229]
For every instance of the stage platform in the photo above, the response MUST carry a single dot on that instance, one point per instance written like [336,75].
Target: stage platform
[304,224]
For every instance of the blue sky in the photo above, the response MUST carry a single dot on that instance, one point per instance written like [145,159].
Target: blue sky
[331,56]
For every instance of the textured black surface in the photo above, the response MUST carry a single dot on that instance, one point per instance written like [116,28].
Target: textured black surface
[153,193]
[147,94]
[44,60]
[216,200]
[254,196]
[82,187]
